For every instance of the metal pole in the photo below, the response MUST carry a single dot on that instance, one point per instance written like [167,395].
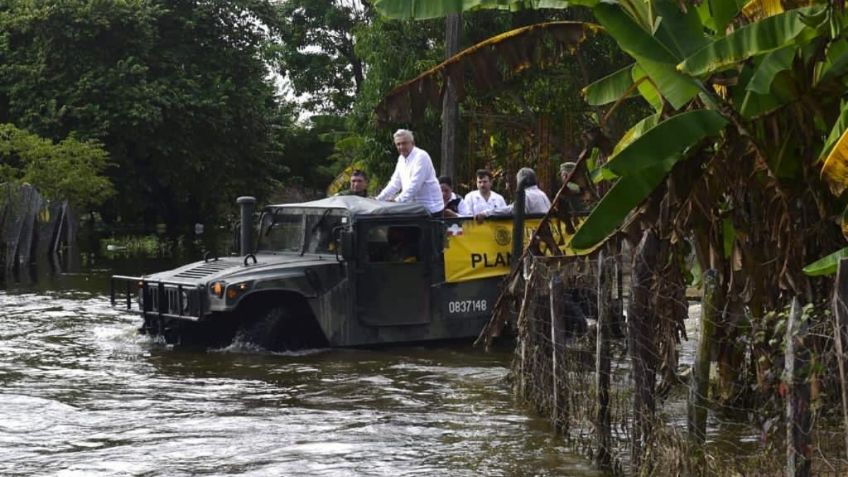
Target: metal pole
[518,226]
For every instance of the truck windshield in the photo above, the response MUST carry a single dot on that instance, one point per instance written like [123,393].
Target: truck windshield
[295,231]
[280,232]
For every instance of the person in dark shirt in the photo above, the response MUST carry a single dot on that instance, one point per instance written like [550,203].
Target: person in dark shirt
[358,184]
[452,201]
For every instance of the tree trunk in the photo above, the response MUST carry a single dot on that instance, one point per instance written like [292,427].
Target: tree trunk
[450,107]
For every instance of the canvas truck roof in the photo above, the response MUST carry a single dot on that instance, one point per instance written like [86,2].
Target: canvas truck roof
[361,206]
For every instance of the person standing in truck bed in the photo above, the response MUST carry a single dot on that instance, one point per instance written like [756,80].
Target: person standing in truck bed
[482,199]
[414,179]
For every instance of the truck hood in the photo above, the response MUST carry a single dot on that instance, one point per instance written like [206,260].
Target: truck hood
[234,269]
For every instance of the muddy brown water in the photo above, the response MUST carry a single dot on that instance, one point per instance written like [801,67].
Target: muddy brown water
[83,394]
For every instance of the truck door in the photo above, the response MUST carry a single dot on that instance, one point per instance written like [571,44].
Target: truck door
[393,282]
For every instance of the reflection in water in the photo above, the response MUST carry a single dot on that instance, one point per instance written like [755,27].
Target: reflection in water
[84,394]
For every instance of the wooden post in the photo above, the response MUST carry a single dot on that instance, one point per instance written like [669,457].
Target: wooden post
[840,332]
[699,388]
[640,319]
[522,337]
[798,396]
[606,277]
[557,346]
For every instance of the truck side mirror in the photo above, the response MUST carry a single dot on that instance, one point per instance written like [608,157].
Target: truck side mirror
[345,245]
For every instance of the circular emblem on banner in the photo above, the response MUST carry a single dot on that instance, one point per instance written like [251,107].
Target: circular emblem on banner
[502,236]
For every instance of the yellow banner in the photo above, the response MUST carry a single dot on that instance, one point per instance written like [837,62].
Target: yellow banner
[482,250]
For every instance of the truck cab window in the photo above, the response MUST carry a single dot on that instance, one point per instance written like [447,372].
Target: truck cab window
[394,244]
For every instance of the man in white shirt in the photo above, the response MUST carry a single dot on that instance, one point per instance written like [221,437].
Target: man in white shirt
[482,199]
[535,199]
[414,179]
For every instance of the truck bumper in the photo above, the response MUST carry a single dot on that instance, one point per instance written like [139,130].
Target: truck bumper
[159,299]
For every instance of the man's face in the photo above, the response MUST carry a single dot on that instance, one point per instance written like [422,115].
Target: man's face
[404,145]
[358,184]
[484,184]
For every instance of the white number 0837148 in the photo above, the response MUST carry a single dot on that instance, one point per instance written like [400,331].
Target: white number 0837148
[467,306]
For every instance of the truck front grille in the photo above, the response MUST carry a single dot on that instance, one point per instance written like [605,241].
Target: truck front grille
[172,300]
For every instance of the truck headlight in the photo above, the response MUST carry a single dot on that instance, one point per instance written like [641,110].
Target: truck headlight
[217,289]
[236,290]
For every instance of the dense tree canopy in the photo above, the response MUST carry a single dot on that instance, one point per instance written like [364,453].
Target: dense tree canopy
[317,53]
[178,93]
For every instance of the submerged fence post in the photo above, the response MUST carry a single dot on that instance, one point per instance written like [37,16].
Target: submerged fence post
[606,275]
[522,335]
[557,346]
[640,319]
[840,318]
[798,396]
[699,388]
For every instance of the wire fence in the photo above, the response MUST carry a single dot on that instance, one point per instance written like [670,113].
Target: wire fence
[647,379]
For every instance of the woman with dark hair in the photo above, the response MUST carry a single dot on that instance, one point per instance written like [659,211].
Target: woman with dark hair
[452,201]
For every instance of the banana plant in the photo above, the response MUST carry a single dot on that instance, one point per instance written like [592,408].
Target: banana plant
[768,78]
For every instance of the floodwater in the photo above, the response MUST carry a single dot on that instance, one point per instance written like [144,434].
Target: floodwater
[83,394]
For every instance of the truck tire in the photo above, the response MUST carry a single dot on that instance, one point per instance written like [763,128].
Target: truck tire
[265,328]
[279,328]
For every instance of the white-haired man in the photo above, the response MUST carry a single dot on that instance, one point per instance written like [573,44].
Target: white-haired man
[414,179]
[535,199]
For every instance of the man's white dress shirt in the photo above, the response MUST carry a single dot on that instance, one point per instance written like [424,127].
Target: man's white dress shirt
[474,203]
[535,202]
[415,179]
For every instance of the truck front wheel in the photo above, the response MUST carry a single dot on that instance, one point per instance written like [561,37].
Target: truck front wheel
[279,329]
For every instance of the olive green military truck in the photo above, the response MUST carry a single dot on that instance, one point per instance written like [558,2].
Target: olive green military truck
[341,271]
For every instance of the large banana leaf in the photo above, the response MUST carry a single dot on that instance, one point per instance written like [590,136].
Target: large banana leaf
[772,63]
[424,9]
[668,138]
[655,58]
[835,169]
[836,132]
[489,63]
[646,88]
[635,132]
[835,63]
[610,88]
[680,30]
[722,12]
[751,40]
[630,35]
[614,207]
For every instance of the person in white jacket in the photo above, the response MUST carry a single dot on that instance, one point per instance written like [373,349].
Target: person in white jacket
[482,199]
[535,199]
[414,179]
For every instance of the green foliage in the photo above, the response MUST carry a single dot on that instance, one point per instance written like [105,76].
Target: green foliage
[826,265]
[70,169]
[178,92]
[316,51]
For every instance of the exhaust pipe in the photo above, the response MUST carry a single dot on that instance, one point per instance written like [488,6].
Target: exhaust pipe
[247,204]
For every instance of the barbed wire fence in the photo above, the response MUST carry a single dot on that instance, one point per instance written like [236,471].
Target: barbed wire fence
[626,367]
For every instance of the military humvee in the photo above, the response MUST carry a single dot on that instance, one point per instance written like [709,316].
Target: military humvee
[341,271]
